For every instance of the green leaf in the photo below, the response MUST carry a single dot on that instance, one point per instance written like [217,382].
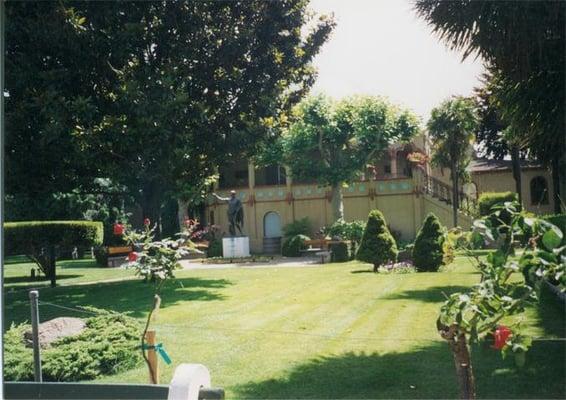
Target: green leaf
[552,238]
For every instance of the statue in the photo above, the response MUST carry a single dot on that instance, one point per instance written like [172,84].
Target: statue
[235,212]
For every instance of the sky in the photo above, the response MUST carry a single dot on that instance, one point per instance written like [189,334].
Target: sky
[380,47]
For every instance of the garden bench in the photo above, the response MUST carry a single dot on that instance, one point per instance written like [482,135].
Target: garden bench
[116,255]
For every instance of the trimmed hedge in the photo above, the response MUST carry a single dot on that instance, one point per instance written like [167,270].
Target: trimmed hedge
[32,237]
[23,237]
[340,252]
[489,199]
[292,247]
[429,249]
[378,246]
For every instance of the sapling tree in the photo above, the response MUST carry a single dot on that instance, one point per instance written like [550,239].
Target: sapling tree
[155,261]
[469,317]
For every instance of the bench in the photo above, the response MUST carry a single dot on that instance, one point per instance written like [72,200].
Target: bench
[117,254]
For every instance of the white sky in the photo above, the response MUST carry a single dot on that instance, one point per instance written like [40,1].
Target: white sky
[380,47]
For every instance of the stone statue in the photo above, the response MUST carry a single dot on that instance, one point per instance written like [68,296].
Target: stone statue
[235,212]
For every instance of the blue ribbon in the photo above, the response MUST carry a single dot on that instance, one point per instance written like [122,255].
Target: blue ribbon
[160,350]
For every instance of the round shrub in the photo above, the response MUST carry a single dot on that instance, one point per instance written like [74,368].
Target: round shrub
[339,251]
[352,231]
[292,247]
[378,246]
[109,344]
[428,252]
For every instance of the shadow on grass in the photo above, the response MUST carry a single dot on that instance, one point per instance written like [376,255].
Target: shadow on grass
[426,372]
[362,271]
[26,279]
[436,294]
[551,312]
[131,297]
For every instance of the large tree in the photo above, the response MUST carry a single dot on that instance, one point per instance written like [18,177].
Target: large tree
[452,126]
[332,142]
[54,78]
[525,42]
[175,87]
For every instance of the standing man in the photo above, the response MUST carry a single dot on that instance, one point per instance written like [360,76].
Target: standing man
[235,212]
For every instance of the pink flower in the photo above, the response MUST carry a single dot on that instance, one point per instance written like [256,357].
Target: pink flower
[118,229]
[501,335]
[132,256]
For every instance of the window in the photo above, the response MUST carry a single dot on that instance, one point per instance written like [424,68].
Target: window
[388,169]
[539,191]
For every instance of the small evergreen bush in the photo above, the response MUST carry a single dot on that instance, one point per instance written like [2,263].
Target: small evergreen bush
[340,252]
[428,252]
[109,344]
[292,246]
[378,246]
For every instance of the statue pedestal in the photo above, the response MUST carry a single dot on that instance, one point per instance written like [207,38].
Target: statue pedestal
[236,247]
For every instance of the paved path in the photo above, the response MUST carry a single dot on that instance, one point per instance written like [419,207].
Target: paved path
[276,262]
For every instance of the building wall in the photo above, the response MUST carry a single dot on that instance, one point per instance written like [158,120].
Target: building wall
[502,181]
[398,199]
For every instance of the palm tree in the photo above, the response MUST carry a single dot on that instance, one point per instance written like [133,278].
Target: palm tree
[525,42]
[452,127]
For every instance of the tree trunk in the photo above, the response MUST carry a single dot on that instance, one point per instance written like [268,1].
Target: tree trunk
[463,364]
[375,267]
[52,263]
[556,198]
[454,177]
[337,202]
[516,166]
[182,212]
[151,205]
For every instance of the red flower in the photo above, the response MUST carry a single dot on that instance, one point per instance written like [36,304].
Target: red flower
[132,256]
[501,335]
[118,229]
[146,222]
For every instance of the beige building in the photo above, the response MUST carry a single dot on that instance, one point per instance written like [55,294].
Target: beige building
[404,191]
[496,176]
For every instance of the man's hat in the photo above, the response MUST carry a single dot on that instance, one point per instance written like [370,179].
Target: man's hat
[232,192]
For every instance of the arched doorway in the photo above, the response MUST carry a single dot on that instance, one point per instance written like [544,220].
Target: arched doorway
[272,233]
[272,225]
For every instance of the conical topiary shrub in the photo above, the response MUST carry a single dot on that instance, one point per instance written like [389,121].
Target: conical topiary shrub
[378,246]
[428,251]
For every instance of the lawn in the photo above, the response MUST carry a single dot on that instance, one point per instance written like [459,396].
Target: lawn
[334,331]
[17,271]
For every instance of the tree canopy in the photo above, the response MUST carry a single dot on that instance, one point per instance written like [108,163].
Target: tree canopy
[331,142]
[164,91]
